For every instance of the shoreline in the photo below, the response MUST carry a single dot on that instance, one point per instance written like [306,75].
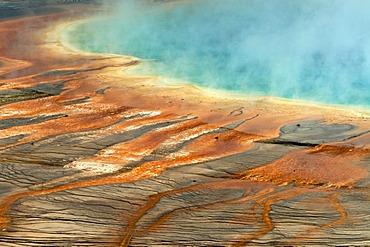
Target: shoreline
[213,91]
[93,155]
[174,82]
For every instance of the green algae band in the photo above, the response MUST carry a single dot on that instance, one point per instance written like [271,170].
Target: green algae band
[314,50]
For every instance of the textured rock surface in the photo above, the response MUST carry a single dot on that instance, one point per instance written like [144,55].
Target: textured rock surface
[91,156]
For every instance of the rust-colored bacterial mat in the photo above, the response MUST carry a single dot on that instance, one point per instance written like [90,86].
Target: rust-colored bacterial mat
[92,155]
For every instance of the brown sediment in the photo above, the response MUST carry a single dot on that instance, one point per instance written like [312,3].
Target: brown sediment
[270,200]
[132,131]
[124,153]
[230,142]
[9,65]
[311,232]
[153,200]
[323,165]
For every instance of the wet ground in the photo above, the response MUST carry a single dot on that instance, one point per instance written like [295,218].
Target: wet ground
[91,156]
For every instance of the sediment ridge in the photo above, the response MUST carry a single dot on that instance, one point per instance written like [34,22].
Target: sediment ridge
[94,156]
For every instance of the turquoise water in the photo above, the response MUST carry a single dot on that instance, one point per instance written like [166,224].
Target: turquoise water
[315,50]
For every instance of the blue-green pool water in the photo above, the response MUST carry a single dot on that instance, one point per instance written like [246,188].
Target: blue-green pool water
[315,50]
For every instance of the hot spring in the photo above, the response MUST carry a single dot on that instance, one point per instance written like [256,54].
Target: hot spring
[314,50]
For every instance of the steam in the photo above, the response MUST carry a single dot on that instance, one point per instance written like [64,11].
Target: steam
[315,50]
